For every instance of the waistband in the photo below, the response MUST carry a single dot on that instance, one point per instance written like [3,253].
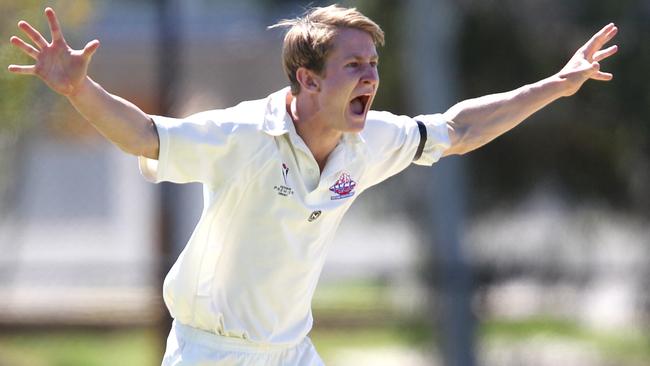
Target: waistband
[224,343]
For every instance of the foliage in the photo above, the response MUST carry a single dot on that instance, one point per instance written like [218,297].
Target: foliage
[18,94]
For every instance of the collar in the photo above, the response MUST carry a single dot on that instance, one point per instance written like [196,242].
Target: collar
[276,118]
[278,122]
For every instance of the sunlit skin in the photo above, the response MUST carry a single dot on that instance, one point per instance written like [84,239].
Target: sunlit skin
[65,71]
[475,122]
[326,107]
[585,63]
[59,66]
[322,111]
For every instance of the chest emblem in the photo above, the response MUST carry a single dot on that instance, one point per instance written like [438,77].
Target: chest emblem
[314,215]
[284,189]
[344,187]
[285,172]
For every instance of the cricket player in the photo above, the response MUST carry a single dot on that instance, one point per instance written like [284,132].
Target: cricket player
[279,173]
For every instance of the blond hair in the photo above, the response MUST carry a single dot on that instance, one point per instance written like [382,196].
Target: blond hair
[310,38]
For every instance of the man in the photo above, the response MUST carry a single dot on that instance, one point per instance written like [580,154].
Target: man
[279,173]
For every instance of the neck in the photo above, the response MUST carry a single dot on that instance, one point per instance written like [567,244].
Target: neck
[312,127]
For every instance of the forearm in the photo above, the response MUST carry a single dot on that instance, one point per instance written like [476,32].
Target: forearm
[117,119]
[478,121]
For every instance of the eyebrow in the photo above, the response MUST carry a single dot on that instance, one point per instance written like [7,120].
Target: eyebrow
[357,57]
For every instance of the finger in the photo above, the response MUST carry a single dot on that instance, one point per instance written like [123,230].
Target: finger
[22,69]
[55,28]
[33,34]
[90,48]
[603,54]
[608,37]
[612,33]
[600,38]
[596,74]
[27,48]
[603,76]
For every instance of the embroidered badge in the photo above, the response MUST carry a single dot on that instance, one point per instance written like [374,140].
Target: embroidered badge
[284,190]
[344,187]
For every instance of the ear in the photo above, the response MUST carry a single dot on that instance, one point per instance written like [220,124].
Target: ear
[309,80]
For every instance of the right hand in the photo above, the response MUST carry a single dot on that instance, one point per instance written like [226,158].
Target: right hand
[59,66]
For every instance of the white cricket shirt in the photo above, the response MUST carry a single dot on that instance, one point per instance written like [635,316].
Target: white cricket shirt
[251,266]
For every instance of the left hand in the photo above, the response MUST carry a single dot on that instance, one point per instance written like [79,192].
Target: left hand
[585,63]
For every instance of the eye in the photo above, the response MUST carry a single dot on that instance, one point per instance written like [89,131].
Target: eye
[353,64]
[374,63]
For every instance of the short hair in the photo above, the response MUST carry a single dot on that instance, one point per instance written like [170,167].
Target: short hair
[310,38]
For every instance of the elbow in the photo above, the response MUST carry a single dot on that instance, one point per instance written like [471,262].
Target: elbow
[148,149]
[458,150]
[465,138]
[459,139]
[129,148]
[463,151]
[147,143]
[144,147]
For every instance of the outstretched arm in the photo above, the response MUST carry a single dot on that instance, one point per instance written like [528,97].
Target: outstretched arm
[65,71]
[475,122]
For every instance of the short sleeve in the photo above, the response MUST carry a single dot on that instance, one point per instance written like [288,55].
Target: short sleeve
[393,142]
[198,148]
[436,139]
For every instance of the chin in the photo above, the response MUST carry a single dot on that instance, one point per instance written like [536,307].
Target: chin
[356,126]
[355,123]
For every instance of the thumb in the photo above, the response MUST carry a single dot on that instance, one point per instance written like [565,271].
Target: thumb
[90,48]
[595,66]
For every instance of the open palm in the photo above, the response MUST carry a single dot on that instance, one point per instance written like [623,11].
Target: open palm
[59,66]
[585,63]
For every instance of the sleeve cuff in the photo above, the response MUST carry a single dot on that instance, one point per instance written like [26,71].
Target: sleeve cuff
[437,138]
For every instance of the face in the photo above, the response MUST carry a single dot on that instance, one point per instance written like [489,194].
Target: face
[349,81]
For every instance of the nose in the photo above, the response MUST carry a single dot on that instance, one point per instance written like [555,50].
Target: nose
[370,75]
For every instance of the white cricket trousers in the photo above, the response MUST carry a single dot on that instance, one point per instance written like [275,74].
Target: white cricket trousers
[187,346]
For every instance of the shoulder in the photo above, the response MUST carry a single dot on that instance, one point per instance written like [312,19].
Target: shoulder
[385,128]
[245,117]
[382,126]
[384,119]
[241,125]
[253,120]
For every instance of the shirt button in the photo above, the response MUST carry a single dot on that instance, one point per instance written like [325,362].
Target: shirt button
[314,215]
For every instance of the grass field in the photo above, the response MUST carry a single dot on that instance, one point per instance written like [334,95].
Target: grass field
[141,346]
[357,326]
[79,348]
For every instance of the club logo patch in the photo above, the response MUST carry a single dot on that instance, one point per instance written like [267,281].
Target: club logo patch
[344,187]
[284,189]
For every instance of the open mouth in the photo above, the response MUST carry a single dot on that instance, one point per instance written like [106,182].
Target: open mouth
[359,105]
